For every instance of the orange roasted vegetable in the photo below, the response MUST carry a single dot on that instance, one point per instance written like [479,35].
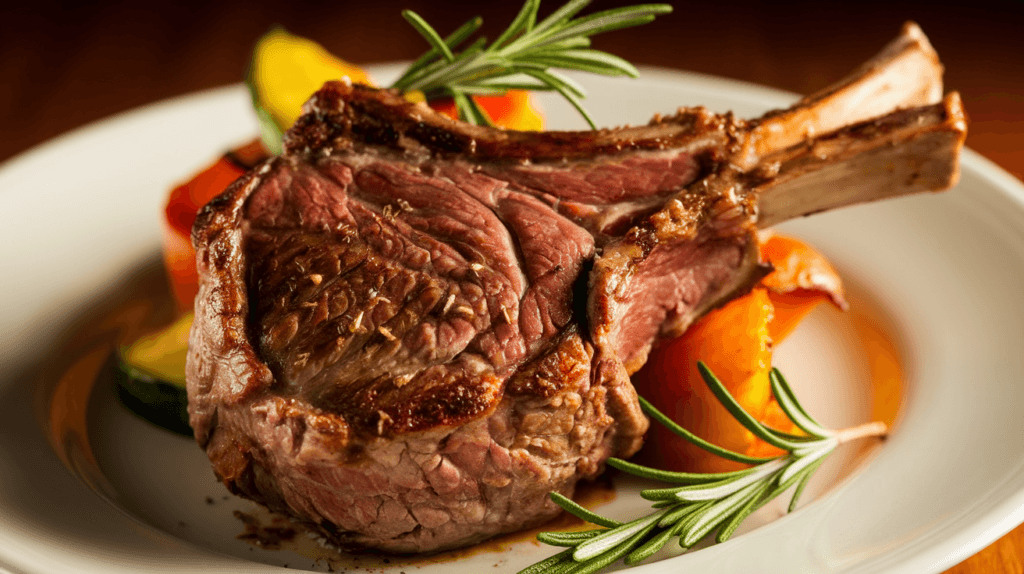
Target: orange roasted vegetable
[802,279]
[511,110]
[179,214]
[735,341]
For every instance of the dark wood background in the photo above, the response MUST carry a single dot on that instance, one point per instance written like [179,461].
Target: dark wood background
[63,65]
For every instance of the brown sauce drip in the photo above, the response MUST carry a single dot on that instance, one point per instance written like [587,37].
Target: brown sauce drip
[272,536]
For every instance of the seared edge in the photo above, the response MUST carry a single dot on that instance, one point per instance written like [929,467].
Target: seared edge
[342,115]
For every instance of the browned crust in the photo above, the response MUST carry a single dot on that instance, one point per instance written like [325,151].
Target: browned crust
[343,113]
[449,399]
[545,376]
[235,371]
[343,116]
[712,212]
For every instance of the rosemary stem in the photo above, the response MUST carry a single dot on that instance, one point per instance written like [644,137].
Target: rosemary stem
[872,429]
[705,502]
[524,56]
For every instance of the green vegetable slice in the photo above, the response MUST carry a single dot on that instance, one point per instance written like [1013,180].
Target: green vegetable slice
[150,376]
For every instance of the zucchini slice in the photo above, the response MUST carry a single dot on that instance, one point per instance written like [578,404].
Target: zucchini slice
[150,376]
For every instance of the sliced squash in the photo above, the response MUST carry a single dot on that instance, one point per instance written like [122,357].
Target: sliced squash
[285,71]
[150,376]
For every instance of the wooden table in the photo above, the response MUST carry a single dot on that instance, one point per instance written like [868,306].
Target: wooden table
[62,66]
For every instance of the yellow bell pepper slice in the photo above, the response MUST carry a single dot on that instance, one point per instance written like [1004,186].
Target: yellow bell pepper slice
[286,69]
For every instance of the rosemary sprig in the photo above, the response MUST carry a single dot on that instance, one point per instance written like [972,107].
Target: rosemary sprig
[700,504]
[523,57]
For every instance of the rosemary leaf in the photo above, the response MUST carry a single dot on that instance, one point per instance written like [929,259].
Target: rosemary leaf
[582,513]
[497,88]
[429,34]
[601,543]
[558,80]
[804,461]
[795,438]
[609,557]
[782,487]
[468,108]
[564,567]
[548,564]
[675,477]
[557,18]
[522,22]
[733,522]
[479,113]
[718,512]
[649,548]
[454,39]
[803,480]
[567,44]
[568,538]
[719,489]
[563,89]
[739,413]
[687,523]
[696,440]
[607,21]
[661,494]
[593,61]
[681,512]
[547,62]
[444,77]
[796,413]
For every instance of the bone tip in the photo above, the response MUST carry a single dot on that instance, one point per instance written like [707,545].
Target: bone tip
[912,33]
[910,29]
[955,112]
[953,101]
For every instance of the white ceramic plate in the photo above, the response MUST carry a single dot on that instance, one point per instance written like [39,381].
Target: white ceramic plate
[942,273]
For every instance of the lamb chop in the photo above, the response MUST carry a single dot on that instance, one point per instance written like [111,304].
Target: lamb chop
[410,330]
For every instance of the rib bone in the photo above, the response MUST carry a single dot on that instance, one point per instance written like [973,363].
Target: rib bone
[906,73]
[862,151]
[904,152]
